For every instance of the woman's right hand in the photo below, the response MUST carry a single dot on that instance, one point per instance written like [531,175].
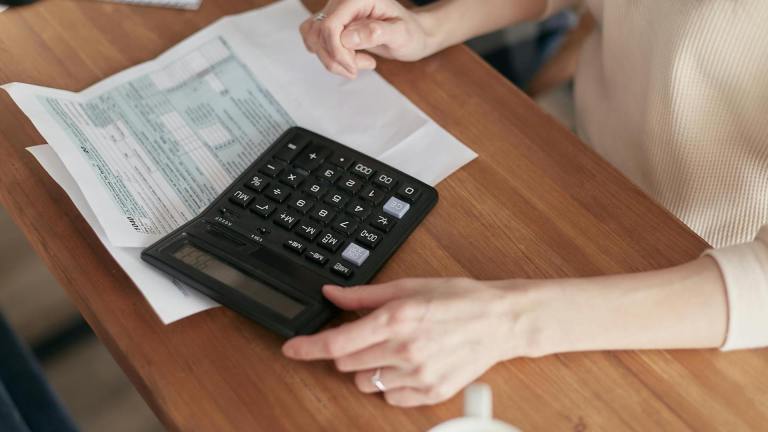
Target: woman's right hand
[352,29]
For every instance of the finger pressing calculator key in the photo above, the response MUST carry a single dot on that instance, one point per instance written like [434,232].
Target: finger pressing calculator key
[308,212]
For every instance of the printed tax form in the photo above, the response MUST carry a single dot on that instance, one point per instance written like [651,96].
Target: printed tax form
[151,146]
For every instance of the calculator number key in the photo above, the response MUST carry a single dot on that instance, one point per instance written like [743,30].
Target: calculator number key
[277,193]
[383,222]
[336,199]
[272,169]
[330,241]
[257,183]
[329,173]
[350,184]
[344,225]
[384,180]
[372,194]
[409,192]
[241,198]
[262,207]
[369,237]
[355,254]
[359,209]
[301,204]
[397,208]
[315,188]
[322,214]
[362,170]
[286,219]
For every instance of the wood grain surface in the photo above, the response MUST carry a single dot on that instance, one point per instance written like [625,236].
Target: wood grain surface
[536,203]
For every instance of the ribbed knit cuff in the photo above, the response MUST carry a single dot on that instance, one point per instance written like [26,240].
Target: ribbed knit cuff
[745,270]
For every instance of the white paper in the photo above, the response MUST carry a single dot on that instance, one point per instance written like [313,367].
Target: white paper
[2,8]
[178,4]
[137,206]
[170,299]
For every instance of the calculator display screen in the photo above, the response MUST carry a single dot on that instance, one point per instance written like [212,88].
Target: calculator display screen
[228,275]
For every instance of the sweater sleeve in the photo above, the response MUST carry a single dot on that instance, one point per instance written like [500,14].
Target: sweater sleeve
[745,271]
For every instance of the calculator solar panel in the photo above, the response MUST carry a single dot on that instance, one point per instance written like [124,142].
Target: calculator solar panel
[308,212]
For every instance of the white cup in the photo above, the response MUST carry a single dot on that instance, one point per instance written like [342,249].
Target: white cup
[478,414]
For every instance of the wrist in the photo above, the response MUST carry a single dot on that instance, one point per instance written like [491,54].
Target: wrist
[428,19]
[530,324]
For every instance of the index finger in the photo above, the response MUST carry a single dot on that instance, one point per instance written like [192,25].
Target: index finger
[342,340]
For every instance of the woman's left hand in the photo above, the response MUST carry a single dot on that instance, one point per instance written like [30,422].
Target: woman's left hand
[430,337]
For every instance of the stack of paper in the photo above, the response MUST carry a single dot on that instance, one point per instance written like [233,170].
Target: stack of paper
[179,4]
[144,151]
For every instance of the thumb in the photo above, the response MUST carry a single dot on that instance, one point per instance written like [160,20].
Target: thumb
[366,296]
[365,34]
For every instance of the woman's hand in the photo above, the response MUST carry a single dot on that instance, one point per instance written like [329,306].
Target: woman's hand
[430,337]
[350,27]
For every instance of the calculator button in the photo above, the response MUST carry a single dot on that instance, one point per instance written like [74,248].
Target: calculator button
[344,225]
[316,257]
[291,178]
[342,270]
[286,219]
[290,150]
[396,207]
[241,198]
[329,173]
[312,157]
[362,170]
[257,182]
[272,168]
[315,188]
[294,245]
[409,192]
[355,254]
[372,194]
[369,237]
[277,193]
[322,213]
[308,230]
[263,207]
[384,180]
[359,209]
[336,199]
[341,160]
[350,184]
[329,240]
[301,204]
[382,222]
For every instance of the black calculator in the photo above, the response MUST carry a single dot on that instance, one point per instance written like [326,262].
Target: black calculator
[308,212]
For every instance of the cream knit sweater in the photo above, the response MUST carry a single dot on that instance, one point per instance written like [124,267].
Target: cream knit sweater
[674,93]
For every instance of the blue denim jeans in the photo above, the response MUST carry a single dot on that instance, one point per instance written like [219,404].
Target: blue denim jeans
[27,403]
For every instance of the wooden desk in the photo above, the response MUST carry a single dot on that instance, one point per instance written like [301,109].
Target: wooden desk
[537,203]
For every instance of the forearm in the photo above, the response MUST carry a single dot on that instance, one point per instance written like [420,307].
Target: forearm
[449,22]
[679,307]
